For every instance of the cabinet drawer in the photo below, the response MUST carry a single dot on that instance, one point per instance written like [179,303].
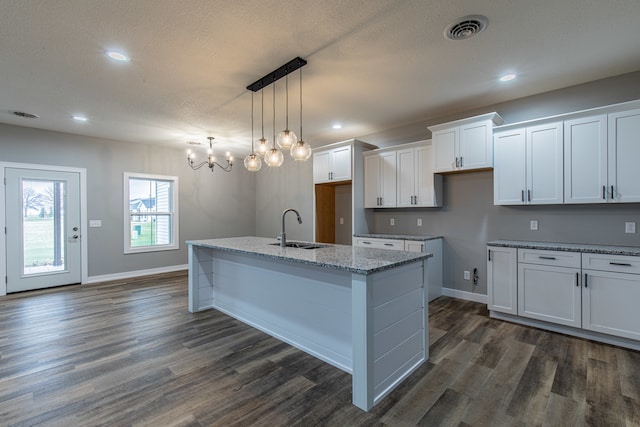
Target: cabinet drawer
[615,263]
[557,258]
[392,244]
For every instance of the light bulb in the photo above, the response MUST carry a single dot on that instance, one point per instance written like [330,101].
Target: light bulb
[274,158]
[301,150]
[286,139]
[252,162]
[262,146]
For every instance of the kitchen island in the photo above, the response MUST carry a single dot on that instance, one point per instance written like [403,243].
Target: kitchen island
[362,310]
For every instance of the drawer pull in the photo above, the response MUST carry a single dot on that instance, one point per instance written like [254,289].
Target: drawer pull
[621,264]
[547,257]
[388,244]
[366,243]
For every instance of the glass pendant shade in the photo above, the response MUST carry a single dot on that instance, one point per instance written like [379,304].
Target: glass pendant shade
[252,162]
[262,146]
[286,139]
[301,151]
[274,158]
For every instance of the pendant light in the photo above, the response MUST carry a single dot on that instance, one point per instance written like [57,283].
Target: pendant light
[252,162]
[300,150]
[263,144]
[274,158]
[287,138]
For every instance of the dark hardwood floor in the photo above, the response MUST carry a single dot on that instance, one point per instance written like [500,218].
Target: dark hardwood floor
[129,353]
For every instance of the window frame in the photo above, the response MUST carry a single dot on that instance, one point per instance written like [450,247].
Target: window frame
[173,213]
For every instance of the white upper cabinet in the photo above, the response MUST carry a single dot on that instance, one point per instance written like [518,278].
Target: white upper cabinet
[464,144]
[528,165]
[623,156]
[585,160]
[332,165]
[380,180]
[409,170]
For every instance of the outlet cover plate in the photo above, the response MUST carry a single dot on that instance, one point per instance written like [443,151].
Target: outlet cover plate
[392,221]
[533,225]
[630,227]
[467,275]
[419,222]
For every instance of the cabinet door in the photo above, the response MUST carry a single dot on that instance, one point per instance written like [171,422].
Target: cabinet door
[585,160]
[388,179]
[321,166]
[502,280]
[371,181]
[427,185]
[610,303]
[445,146]
[549,293]
[406,177]
[624,152]
[341,164]
[545,164]
[509,167]
[475,145]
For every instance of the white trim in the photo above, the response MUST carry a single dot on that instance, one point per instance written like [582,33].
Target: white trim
[83,216]
[469,296]
[136,273]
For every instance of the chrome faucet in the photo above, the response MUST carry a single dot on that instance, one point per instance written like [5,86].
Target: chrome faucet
[283,236]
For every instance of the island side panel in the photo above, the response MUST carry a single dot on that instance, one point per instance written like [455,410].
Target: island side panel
[201,289]
[389,330]
[306,306]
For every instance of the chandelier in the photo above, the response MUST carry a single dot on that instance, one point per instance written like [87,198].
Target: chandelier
[210,162]
[286,139]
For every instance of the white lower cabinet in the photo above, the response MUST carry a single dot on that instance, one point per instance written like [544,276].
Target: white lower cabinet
[585,291]
[502,279]
[610,295]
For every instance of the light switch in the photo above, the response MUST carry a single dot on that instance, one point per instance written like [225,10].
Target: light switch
[630,227]
[341,221]
[533,225]
[95,223]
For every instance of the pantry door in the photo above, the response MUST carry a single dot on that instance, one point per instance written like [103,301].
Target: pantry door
[43,228]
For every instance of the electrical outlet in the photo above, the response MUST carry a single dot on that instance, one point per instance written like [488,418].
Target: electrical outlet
[419,222]
[630,227]
[392,221]
[533,225]
[467,275]
[341,221]
[95,223]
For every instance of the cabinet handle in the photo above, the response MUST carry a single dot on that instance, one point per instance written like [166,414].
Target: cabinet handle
[604,192]
[388,244]
[547,257]
[529,195]
[613,197]
[522,195]
[457,162]
[460,161]
[585,280]
[621,264]
[489,255]
[577,279]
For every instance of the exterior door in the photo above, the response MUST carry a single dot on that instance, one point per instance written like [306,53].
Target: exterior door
[42,211]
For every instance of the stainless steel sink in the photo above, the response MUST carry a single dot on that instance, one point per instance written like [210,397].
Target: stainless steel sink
[302,245]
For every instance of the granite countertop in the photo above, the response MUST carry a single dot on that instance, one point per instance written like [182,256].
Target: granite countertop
[416,237]
[569,247]
[340,257]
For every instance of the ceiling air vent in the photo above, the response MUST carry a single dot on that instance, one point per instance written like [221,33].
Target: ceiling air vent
[466,27]
[25,115]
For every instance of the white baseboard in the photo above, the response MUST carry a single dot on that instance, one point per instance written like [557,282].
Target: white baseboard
[469,296]
[136,273]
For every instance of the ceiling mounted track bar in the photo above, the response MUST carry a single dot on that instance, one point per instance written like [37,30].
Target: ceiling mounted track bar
[277,74]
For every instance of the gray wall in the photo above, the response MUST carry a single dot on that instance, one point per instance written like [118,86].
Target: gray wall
[210,204]
[468,219]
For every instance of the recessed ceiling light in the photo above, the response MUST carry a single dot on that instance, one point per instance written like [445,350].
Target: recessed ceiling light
[337,126]
[80,118]
[117,56]
[508,77]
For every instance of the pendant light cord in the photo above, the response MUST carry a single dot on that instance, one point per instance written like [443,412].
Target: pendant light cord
[274,115]
[262,114]
[252,152]
[286,83]
[300,69]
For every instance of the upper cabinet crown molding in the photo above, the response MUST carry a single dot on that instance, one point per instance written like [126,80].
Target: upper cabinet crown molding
[464,145]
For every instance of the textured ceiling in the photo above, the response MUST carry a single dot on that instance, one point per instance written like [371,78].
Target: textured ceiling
[372,64]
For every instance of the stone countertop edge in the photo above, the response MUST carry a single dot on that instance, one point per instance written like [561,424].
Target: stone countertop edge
[416,237]
[568,247]
[338,257]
